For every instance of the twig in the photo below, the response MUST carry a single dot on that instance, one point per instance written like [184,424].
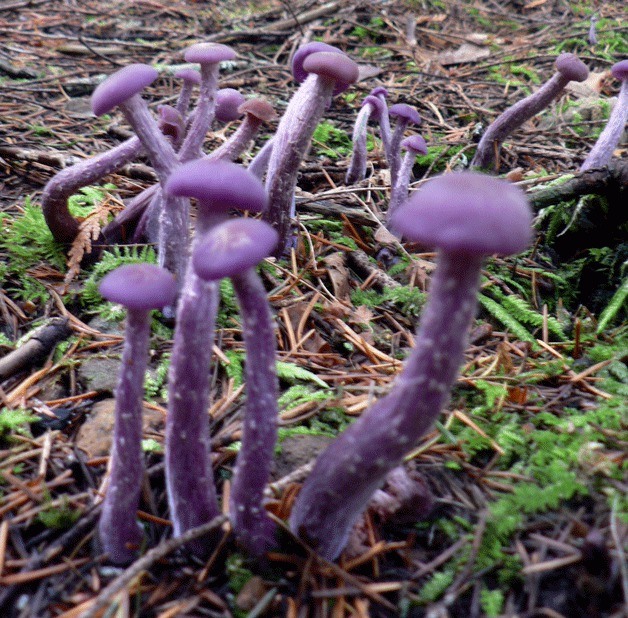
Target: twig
[157,553]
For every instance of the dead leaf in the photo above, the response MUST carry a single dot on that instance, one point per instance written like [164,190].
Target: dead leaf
[384,237]
[361,315]
[338,275]
[464,54]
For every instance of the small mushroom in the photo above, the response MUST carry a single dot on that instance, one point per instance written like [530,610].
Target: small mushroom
[372,107]
[233,249]
[467,216]
[228,100]
[328,73]
[209,56]
[406,115]
[413,145]
[218,187]
[140,288]
[257,112]
[191,78]
[602,150]
[568,68]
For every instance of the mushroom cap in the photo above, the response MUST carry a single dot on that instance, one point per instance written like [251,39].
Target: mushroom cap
[298,72]
[139,286]
[378,106]
[259,108]
[331,65]
[208,53]
[122,85]
[189,75]
[467,212]
[218,186]
[414,143]
[405,112]
[571,67]
[379,91]
[227,102]
[233,247]
[620,70]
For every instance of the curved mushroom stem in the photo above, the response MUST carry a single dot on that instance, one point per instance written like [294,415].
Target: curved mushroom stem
[253,528]
[399,190]
[348,472]
[238,142]
[54,199]
[290,143]
[259,163]
[118,528]
[602,150]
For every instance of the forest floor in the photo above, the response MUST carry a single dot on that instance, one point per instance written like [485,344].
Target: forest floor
[527,464]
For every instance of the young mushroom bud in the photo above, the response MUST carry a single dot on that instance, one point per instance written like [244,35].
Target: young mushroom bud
[233,249]
[327,73]
[228,100]
[602,151]
[467,216]
[218,188]
[406,115]
[568,68]
[413,145]
[140,288]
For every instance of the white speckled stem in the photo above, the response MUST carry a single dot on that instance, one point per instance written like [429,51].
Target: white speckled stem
[189,474]
[290,144]
[399,190]
[602,150]
[348,472]
[54,199]
[253,528]
[514,117]
[357,164]
[203,115]
[118,528]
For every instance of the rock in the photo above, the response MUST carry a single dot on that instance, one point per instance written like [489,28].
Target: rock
[94,436]
[100,373]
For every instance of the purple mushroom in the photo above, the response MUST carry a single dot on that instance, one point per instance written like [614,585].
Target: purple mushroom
[325,73]
[233,249]
[467,216]
[228,100]
[257,112]
[218,187]
[406,115]
[602,150]
[140,288]
[568,68]
[121,89]
[413,145]
[372,107]
[209,56]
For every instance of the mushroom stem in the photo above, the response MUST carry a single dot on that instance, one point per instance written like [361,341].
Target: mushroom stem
[602,150]
[54,199]
[253,528]
[357,164]
[259,163]
[290,143]
[348,472]
[118,528]
[189,478]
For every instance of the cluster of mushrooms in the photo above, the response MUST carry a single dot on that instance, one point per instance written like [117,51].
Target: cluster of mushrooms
[466,216]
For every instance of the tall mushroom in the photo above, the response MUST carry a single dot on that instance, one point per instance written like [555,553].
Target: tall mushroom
[406,115]
[324,74]
[568,68]
[140,288]
[218,187]
[413,145]
[467,216]
[602,150]
[233,249]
